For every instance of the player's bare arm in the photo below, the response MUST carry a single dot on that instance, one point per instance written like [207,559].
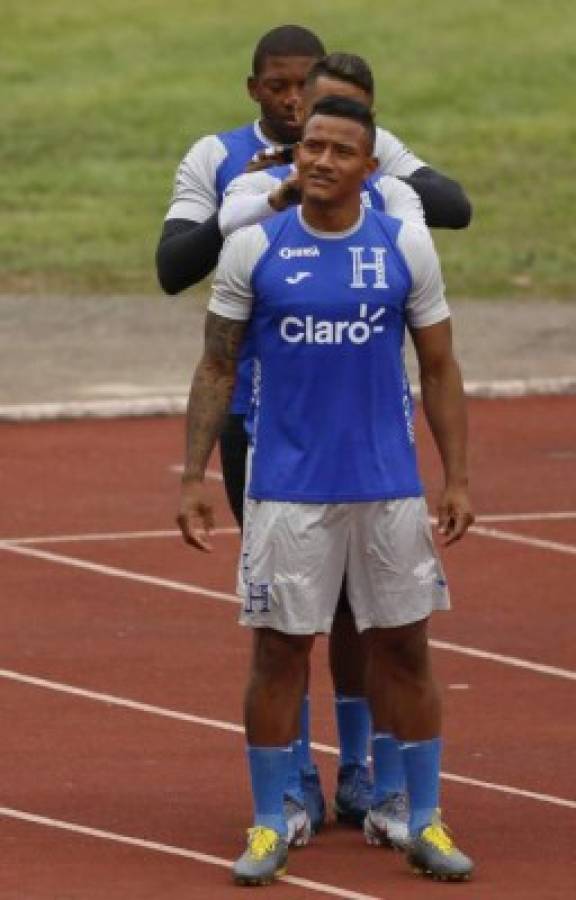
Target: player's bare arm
[208,403]
[445,408]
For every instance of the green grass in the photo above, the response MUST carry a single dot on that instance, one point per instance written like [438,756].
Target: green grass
[101,100]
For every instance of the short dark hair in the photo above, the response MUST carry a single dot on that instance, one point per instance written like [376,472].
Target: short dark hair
[347,108]
[286,40]
[345,67]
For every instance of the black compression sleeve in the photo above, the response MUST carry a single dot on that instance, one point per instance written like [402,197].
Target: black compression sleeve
[187,252]
[445,203]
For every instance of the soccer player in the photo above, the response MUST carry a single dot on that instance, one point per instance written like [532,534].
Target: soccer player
[188,250]
[334,486]
[254,197]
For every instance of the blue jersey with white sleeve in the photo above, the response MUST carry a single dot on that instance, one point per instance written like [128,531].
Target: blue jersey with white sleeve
[328,314]
[383,193]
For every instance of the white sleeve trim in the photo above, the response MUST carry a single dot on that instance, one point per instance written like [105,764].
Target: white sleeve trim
[245,201]
[194,195]
[393,156]
[426,304]
[232,287]
[400,200]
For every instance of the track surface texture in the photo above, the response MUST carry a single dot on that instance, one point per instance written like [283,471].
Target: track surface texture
[123,669]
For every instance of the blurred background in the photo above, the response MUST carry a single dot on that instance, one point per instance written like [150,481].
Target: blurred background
[104,97]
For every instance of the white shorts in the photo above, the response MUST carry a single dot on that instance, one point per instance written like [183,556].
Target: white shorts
[295,556]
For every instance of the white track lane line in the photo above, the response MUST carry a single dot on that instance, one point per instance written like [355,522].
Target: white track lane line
[514,661]
[528,517]
[182,587]
[114,572]
[174,533]
[113,700]
[107,536]
[316,886]
[496,534]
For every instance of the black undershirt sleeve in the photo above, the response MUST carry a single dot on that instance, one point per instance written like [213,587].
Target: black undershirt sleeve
[187,252]
[445,203]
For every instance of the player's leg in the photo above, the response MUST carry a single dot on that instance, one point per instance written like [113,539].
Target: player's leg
[272,702]
[293,560]
[399,658]
[346,652]
[303,789]
[394,587]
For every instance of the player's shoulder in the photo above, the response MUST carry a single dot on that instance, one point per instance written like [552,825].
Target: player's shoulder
[259,182]
[408,233]
[254,235]
[385,142]
[241,133]
[203,149]
[213,143]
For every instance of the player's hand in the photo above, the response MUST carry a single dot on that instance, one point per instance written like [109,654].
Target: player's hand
[195,514]
[454,514]
[287,194]
[270,156]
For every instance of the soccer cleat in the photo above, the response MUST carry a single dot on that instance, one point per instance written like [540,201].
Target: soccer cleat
[353,795]
[298,823]
[386,825]
[433,853]
[313,798]
[264,858]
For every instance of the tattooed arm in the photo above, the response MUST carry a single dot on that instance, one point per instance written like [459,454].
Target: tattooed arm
[208,403]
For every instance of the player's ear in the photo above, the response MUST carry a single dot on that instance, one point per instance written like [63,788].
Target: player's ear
[372,165]
[252,88]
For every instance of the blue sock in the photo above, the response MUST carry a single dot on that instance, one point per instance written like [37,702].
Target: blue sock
[389,775]
[269,771]
[422,767]
[294,785]
[354,724]
[302,745]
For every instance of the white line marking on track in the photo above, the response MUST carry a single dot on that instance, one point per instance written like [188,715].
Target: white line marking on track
[522,539]
[528,517]
[144,844]
[115,572]
[112,700]
[106,536]
[514,661]
[182,587]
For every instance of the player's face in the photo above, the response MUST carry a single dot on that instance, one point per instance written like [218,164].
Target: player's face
[278,89]
[325,86]
[333,159]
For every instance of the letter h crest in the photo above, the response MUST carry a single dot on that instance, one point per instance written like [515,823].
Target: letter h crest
[360,266]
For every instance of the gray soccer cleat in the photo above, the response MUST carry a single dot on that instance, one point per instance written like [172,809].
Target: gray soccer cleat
[298,822]
[386,825]
[433,853]
[264,859]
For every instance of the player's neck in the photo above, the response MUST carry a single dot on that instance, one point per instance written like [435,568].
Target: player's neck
[327,217]
[271,135]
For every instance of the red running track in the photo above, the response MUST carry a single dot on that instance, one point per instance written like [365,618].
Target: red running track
[123,667]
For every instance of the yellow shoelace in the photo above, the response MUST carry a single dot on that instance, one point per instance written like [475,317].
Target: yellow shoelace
[437,835]
[261,841]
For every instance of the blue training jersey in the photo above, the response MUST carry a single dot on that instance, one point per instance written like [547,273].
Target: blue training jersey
[327,320]
[241,145]
[241,399]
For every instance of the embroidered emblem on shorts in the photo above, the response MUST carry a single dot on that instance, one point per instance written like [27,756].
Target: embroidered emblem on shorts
[257,598]
[426,572]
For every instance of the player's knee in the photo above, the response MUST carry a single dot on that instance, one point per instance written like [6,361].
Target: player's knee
[403,651]
[281,657]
